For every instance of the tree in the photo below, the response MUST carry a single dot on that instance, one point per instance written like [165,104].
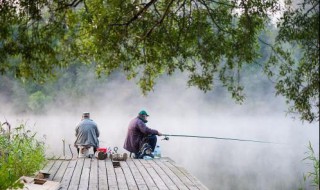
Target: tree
[298,78]
[208,39]
[37,102]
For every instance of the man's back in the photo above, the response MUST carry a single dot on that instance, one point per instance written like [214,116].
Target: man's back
[87,133]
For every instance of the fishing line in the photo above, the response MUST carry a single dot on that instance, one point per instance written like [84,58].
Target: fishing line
[218,138]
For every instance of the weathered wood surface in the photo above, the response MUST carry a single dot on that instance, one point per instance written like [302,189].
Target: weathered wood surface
[133,174]
[29,184]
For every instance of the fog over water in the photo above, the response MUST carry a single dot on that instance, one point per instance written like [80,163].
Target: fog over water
[176,109]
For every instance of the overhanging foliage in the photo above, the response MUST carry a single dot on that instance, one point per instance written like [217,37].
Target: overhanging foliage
[207,39]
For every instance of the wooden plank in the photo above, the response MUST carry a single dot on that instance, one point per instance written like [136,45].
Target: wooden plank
[29,184]
[122,182]
[112,179]
[93,174]
[154,175]
[85,175]
[48,166]
[176,180]
[129,176]
[54,169]
[147,178]
[68,174]
[102,175]
[137,175]
[74,183]
[192,178]
[60,173]
[180,175]
[165,178]
[93,181]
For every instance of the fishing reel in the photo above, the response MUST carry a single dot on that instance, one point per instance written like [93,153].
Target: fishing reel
[166,138]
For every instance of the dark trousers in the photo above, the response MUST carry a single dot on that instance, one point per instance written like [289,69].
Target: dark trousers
[151,140]
[94,150]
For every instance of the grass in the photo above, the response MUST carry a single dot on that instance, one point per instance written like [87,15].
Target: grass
[20,154]
[313,175]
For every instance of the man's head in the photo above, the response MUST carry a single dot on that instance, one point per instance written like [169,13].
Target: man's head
[85,115]
[143,115]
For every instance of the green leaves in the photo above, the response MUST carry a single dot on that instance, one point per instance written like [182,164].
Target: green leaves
[20,154]
[298,65]
[145,40]
[314,174]
[37,102]
[205,39]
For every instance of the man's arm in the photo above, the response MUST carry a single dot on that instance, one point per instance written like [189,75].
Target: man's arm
[146,130]
[77,130]
[97,130]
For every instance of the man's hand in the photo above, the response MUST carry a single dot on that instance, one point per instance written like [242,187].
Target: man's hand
[159,134]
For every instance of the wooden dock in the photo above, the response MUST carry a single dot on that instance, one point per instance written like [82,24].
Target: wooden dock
[94,174]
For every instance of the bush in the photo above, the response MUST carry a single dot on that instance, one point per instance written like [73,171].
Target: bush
[20,154]
[312,175]
[37,101]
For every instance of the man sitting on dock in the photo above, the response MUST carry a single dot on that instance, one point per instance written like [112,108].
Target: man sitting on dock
[139,134]
[87,133]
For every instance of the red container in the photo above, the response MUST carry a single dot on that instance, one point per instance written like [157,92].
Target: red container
[104,150]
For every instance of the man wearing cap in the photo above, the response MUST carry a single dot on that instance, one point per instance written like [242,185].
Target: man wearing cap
[139,133]
[87,133]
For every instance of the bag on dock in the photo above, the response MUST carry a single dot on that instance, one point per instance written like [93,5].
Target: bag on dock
[101,153]
[119,157]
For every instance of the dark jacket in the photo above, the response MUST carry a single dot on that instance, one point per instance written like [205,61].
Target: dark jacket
[137,130]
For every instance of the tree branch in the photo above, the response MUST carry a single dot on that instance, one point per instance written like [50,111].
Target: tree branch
[221,3]
[136,16]
[313,7]
[272,48]
[155,8]
[182,5]
[74,3]
[209,11]
[160,21]
[86,7]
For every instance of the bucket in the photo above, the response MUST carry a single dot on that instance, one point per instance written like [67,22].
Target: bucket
[104,150]
[83,152]
[101,155]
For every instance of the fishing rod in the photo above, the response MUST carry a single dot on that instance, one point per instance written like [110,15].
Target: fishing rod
[166,137]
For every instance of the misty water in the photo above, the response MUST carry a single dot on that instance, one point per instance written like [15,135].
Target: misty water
[178,110]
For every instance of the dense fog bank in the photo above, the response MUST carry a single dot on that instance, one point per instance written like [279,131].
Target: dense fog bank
[176,109]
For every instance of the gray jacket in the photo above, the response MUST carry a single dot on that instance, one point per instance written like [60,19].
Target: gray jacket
[87,133]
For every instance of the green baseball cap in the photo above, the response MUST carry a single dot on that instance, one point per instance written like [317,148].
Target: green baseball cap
[142,112]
